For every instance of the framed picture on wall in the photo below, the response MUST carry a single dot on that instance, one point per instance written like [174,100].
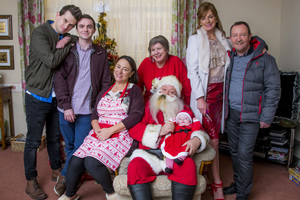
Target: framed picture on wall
[6,57]
[6,27]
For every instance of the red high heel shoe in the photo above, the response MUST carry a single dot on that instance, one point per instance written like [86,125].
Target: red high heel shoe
[215,187]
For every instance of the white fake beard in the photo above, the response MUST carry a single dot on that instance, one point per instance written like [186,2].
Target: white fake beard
[169,105]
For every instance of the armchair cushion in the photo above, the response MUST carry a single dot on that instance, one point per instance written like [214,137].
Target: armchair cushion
[161,187]
[207,155]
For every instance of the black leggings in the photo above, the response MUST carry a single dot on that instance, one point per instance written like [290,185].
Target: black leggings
[77,166]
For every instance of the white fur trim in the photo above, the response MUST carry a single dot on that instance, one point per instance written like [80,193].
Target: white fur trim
[195,119]
[152,160]
[183,113]
[204,56]
[174,157]
[151,135]
[173,81]
[162,146]
[204,49]
[203,137]
[173,120]
[163,165]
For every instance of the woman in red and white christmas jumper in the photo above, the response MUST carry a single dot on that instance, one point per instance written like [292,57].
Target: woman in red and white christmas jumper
[174,145]
[118,109]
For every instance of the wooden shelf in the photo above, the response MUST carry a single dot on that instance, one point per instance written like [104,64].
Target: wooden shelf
[6,96]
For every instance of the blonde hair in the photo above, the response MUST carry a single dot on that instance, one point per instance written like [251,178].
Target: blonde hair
[202,11]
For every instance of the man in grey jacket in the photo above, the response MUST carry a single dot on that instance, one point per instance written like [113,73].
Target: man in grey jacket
[251,97]
[49,46]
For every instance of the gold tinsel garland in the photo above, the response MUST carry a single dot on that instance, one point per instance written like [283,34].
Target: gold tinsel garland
[104,41]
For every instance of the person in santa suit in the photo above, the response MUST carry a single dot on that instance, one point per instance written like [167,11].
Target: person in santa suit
[145,164]
[173,147]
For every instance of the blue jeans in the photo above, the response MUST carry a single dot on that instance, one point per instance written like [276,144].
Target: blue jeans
[241,138]
[74,134]
[38,114]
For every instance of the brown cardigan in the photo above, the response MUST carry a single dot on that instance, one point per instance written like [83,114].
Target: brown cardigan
[67,73]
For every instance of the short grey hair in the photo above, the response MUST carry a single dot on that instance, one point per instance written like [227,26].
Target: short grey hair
[159,39]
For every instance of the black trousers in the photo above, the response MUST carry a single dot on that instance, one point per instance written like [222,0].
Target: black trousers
[77,166]
[38,114]
[241,137]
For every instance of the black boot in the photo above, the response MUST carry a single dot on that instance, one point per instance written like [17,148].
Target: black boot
[232,189]
[140,191]
[168,170]
[182,192]
[178,161]
[156,152]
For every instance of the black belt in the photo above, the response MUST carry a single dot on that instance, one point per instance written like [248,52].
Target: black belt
[156,152]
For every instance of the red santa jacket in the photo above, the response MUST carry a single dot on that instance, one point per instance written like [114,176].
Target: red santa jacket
[147,131]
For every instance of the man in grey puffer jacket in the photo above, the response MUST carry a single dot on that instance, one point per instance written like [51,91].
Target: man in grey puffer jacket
[251,97]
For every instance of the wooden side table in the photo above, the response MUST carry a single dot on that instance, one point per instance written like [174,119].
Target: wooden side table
[5,96]
[291,146]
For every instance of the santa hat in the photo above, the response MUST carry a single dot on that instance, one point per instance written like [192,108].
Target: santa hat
[173,81]
[189,114]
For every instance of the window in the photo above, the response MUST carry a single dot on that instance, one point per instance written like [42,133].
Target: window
[131,22]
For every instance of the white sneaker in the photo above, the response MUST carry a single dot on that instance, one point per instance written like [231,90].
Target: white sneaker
[64,197]
[111,197]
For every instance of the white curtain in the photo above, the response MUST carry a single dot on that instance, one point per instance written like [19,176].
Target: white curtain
[131,22]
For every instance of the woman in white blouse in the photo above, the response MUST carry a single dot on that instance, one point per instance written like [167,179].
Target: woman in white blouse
[207,61]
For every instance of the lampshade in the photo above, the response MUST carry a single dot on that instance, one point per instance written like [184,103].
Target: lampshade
[101,7]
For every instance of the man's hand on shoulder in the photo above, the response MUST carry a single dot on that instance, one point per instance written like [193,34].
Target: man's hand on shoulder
[264,51]
[192,145]
[61,43]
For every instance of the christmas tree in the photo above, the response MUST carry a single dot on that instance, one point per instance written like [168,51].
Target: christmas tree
[107,43]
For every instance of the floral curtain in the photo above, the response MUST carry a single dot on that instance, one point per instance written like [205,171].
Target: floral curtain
[30,16]
[184,16]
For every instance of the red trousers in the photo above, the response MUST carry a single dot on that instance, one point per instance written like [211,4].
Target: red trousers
[139,171]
